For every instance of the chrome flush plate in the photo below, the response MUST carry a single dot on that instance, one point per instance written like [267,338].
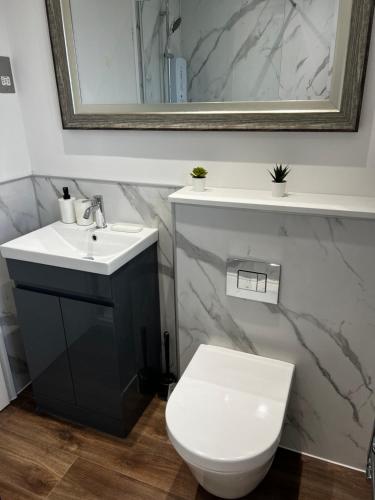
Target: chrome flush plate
[253,280]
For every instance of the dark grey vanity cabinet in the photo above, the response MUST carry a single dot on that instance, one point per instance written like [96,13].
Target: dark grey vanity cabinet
[43,332]
[92,341]
[92,347]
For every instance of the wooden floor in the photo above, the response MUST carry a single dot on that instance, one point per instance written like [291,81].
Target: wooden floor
[41,457]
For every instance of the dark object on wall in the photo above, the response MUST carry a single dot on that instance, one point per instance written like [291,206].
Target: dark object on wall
[6,77]
[168,380]
[92,342]
[176,25]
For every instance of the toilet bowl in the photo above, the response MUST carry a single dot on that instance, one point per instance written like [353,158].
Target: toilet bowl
[225,417]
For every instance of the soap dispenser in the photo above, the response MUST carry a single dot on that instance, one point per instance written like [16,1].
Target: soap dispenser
[66,204]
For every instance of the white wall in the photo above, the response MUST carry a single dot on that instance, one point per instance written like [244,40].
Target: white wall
[14,157]
[323,162]
[104,36]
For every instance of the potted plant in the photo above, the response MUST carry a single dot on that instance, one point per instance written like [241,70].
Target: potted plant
[279,175]
[198,175]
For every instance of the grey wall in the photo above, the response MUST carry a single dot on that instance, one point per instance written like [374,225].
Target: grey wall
[324,323]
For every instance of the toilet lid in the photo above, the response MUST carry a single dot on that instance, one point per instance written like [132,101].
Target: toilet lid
[228,422]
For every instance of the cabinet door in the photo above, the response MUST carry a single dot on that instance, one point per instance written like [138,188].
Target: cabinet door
[42,330]
[89,330]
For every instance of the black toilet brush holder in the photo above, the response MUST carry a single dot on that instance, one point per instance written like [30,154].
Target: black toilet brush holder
[168,380]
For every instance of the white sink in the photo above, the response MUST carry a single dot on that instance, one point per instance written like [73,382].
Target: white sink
[100,251]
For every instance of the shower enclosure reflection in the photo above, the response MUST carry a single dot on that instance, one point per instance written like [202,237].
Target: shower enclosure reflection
[164,69]
[178,51]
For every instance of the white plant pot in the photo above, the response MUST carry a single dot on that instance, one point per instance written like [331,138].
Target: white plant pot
[278,189]
[199,183]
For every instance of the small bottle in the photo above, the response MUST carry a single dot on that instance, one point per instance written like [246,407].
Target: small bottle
[66,204]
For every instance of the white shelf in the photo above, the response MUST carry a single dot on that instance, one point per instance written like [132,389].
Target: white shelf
[295,203]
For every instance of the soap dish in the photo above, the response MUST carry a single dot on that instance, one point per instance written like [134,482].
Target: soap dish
[122,227]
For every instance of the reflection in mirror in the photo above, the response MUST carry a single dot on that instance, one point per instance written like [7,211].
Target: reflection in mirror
[106,51]
[235,50]
[176,51]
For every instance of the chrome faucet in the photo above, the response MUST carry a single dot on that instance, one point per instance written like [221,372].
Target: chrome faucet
[97,208]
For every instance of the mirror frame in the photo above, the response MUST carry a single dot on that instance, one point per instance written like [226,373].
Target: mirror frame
[310,115]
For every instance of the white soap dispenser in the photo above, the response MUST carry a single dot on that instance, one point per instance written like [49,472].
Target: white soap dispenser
[66,204]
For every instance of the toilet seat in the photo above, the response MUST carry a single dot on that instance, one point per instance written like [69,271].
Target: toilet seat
[226,412]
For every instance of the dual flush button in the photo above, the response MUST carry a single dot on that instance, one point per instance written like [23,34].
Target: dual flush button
[248,280]
[253,280]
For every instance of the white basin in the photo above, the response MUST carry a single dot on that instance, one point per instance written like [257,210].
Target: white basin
[100,251]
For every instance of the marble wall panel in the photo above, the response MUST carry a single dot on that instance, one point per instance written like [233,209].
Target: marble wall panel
[256,50]
[308,47]
[231,49]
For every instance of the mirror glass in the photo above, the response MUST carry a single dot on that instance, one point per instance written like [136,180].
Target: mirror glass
[212,51]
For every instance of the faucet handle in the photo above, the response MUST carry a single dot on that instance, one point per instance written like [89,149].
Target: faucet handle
[98,200]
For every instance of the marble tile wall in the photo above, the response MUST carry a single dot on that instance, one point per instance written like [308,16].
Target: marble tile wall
[308,47]
[324,322]
[258,49]
[130,203]
[227,49]
[18,215]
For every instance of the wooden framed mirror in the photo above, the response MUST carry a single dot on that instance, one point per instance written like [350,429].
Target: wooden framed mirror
[210,64]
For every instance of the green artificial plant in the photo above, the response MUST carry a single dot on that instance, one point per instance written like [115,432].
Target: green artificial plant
[199,173]
[280,173]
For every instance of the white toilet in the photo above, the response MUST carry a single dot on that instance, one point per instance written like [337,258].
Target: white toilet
[225,417]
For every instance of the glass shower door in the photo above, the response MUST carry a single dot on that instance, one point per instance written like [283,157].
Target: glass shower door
[7,390]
